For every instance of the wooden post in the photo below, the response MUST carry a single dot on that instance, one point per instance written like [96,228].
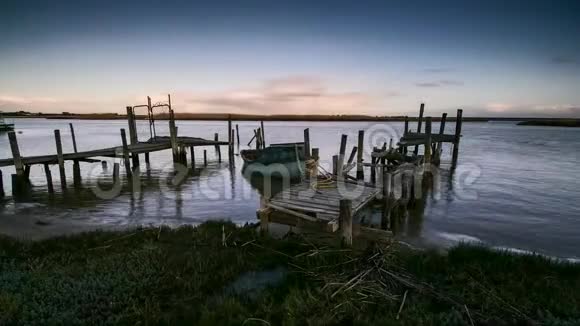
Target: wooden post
[192,152]
[1,186]
[307,143]
[132,134]
[126,153]
[352,154]
[48,178]
[16,154]
[360,175]
[427,157]
[238,135]
[173,136]
[60,159]
[232,146]
[374,161]
[217,148]
[341,154]
[441,132]
[315,154]
[385,220]
[76,173]
[230,143]
[419,123]
[345,221]
[147,160]
[457,137]
[205,157]
[335,164]
[263,134]
[74,140]
[116,172]
[405,132]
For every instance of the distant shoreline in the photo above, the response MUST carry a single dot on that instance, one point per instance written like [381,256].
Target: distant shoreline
[317,118]
[571,123]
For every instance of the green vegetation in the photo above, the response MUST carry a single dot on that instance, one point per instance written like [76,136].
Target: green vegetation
[186,276]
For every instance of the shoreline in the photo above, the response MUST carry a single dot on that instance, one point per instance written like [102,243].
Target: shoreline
[219,273]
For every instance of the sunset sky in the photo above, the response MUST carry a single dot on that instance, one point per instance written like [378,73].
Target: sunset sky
[495,58]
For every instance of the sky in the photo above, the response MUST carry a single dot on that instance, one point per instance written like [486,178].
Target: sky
[490,58]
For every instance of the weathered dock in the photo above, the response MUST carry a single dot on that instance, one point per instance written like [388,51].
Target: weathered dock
[129,151]
[398,177]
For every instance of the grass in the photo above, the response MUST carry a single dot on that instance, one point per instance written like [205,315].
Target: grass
[185,276]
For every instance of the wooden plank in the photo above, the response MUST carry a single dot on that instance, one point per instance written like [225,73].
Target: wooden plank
[60,159]
[291,212]
[300,206]
[16,158]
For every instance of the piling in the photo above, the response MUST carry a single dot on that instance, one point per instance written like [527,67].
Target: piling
[374,168]
[72,134]
[116,169]
[132,133]
[405,132]
[315,154]
[1,186]
[345,221]
[457,137]
[147,160]
[60,159]
[263,134]
[173,136]
[230,143]
[205,157]
[126,153]
[238,135]
[306,143]
[428,140]
[48,174]
[419,124]
[360,175]
[76,173]
[192,152]
[217,148]
[335,164]
[341,154]
[387,191]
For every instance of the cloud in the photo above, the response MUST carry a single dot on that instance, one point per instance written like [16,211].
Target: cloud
[291,95]
[438,70]
[440,83]
[565,60]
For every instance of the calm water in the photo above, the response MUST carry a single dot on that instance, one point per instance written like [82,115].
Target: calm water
[515,187]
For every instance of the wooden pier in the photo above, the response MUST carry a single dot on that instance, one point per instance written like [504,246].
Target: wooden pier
[129,151]
[398,178]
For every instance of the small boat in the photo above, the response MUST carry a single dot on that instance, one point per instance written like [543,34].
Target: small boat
[281,160]
[4,126]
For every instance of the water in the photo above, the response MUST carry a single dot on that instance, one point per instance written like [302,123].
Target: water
[515,186]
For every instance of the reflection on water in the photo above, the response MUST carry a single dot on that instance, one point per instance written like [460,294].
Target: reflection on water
[514,186]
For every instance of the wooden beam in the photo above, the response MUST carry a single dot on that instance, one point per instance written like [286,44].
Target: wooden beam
[345,221]
[60,159]
[74,140]
[352,154]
